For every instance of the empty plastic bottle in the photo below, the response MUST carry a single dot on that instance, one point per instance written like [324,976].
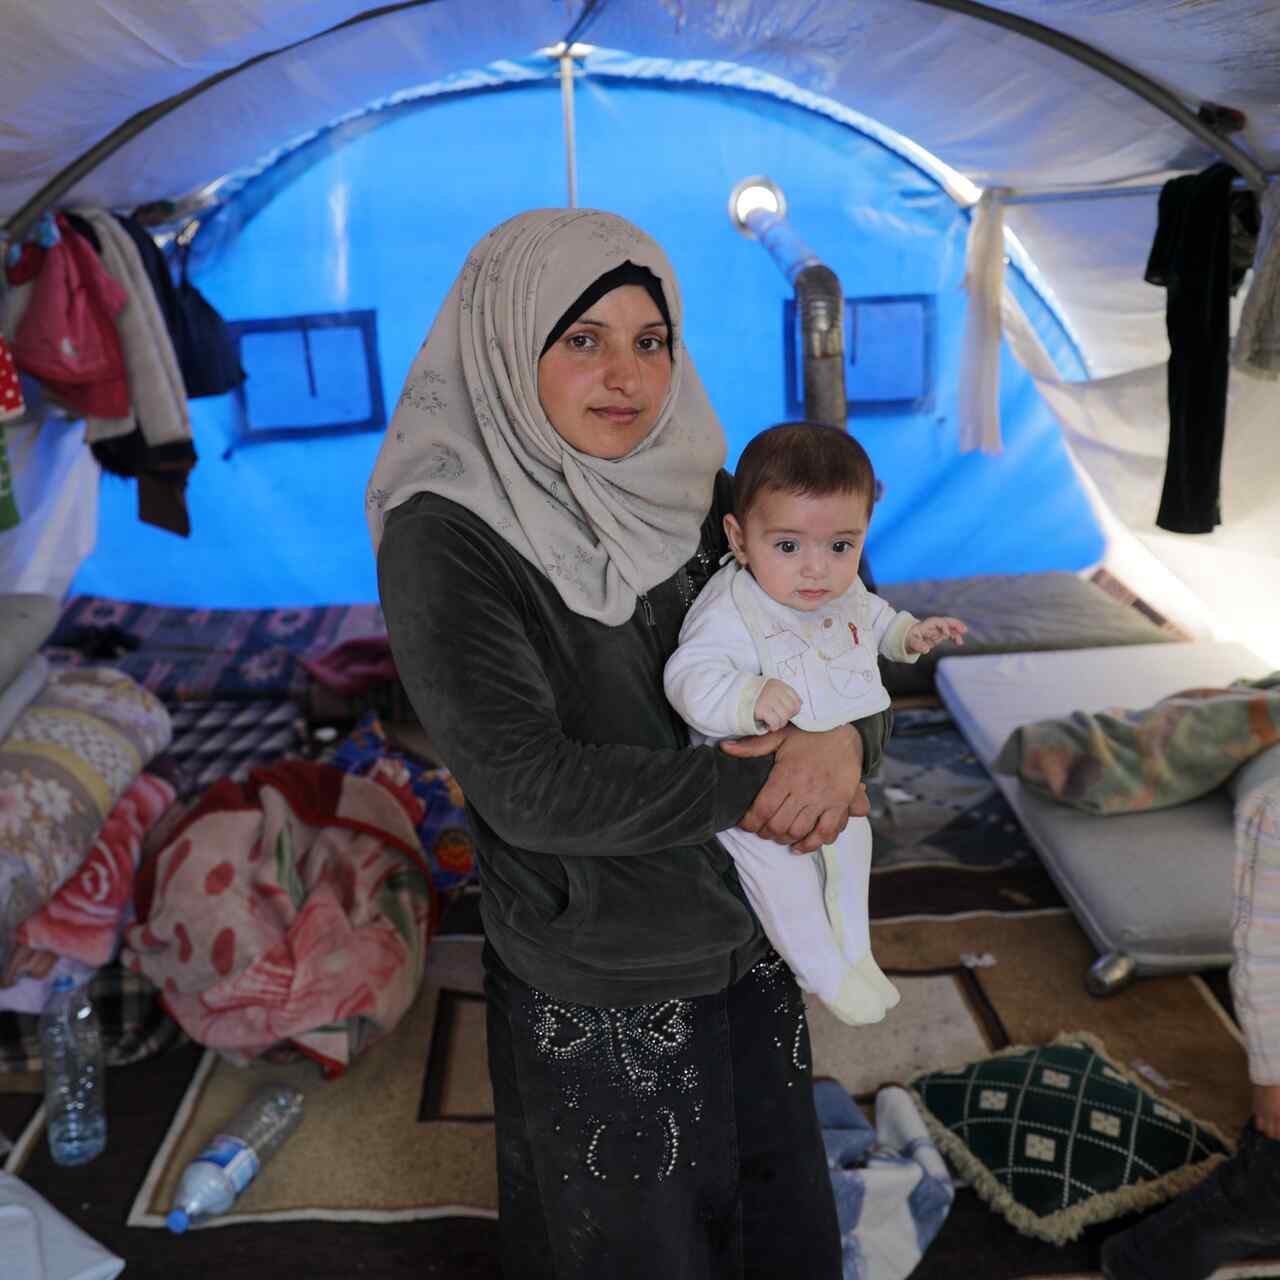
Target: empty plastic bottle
[213,1180]
[74,1074]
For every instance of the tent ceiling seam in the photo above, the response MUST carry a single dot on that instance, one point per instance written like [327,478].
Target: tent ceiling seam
[591,10]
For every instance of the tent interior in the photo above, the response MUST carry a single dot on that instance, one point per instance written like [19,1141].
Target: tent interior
[320,170]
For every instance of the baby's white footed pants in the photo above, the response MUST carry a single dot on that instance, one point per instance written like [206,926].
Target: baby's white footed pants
[814,911]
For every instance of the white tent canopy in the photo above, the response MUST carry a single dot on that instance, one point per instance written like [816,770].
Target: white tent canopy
[992,105]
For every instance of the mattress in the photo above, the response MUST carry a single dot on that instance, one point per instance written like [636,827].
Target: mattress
[203,655]
[1156,886]
[1018,613]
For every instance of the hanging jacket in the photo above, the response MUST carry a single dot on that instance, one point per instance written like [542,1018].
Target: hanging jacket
[208,355]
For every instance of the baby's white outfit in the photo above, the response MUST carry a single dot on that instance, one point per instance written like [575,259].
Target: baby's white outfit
[734,638]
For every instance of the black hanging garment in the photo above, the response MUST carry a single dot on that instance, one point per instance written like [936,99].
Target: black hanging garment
[208,355]
[1204,241]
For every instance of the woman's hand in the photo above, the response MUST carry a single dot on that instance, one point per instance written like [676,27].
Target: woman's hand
[815,785]
[1266,1109]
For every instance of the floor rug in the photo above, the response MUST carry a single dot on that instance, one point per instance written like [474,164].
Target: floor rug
[406,1134]
[411,1121]
[970,984]
[965,924]
[944,839]
[413,1117]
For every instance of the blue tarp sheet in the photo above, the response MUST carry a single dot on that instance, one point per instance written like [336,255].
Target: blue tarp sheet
[376,217]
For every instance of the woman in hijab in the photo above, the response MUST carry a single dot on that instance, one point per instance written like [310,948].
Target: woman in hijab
[546,505]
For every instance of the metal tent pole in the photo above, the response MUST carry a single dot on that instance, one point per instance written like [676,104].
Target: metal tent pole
[20,222]
[566,101]
[1159,97]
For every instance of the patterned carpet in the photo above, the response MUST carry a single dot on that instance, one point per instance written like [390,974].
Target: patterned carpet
[966,921]
[944,838]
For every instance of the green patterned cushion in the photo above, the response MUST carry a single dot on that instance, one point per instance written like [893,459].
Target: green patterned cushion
[1059,1136]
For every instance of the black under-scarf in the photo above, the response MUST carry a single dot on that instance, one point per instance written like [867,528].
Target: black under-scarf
[627,273]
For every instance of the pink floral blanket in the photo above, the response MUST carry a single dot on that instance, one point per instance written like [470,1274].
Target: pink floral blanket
[83,919]
[294,908]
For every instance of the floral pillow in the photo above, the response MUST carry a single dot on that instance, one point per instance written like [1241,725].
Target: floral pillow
[65,762]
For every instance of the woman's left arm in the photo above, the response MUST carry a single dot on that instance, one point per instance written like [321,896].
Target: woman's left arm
[816,783]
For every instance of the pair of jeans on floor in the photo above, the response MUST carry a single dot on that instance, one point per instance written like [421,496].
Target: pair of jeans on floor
[675,1141]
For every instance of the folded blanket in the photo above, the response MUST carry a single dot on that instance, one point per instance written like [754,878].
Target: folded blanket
[354,665]
[291,909]
[432,798]
[83,920]
[1122,761]
[70,755]
[892,1188]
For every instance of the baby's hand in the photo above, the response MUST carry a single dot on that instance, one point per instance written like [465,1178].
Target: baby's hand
[924,635]
[777,703]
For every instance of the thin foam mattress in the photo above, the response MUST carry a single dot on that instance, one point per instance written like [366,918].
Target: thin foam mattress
[1158,885]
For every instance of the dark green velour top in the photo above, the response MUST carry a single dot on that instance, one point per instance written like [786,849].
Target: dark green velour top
[594,820]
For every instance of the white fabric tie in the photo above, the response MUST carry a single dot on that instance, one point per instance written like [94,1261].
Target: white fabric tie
[979,392]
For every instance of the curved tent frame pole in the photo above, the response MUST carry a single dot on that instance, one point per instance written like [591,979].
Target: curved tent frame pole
[20,222]
[57,186]
[1160,98]
[62,182]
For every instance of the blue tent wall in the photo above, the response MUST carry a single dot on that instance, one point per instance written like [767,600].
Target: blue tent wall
[383,220]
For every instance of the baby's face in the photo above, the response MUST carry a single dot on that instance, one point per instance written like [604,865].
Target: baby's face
[802,549]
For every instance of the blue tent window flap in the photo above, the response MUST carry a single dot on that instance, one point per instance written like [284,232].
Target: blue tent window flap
[889,345]
[309,375]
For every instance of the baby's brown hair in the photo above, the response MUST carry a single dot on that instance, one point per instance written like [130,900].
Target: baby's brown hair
[803,458]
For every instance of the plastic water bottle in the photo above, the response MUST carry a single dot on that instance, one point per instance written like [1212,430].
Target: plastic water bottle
[74,1074]
[213,1180]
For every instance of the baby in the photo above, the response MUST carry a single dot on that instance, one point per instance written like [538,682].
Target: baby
[788,633]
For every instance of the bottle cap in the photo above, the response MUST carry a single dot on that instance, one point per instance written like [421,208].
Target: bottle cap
[63,982]
[178,1221]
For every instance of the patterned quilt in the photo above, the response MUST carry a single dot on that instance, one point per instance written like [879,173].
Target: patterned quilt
[68,759]
[184,654]
[1122,761]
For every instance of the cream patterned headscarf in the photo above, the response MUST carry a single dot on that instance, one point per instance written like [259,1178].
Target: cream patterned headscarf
[469,424]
